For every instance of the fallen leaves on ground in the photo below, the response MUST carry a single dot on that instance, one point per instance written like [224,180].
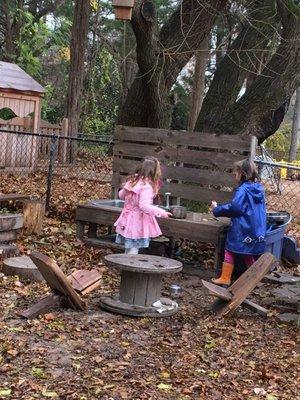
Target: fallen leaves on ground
[98,355]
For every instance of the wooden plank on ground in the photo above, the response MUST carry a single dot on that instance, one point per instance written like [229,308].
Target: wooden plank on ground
[225,294]
[247,282]
[84,281]
[57,280]
[217,291]
[48,303]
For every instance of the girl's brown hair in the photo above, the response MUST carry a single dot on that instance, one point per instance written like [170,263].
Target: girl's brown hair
[148,170]
[247,169]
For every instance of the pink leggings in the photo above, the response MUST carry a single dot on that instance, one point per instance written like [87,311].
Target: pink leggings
[229,258]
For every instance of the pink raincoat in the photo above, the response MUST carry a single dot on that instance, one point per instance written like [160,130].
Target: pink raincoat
[137,220]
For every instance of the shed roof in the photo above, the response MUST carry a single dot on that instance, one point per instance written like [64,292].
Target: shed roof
[14,78]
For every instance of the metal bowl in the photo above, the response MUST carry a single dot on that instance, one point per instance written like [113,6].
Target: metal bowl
[178,212]
[175,290]
[279,217]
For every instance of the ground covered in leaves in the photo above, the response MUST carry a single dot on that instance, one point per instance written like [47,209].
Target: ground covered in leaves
[98,355]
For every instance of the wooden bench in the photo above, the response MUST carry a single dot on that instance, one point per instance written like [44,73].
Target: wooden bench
[195,166]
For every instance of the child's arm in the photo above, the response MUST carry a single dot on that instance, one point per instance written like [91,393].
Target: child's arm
[145,204]
[233,209]
[122,194]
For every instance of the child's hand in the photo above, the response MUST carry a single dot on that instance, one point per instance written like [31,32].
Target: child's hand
[213,205]
[168,214]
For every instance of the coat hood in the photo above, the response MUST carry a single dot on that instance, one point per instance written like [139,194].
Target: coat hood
[255,191]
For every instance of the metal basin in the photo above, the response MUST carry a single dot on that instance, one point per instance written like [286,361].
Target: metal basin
[110,203]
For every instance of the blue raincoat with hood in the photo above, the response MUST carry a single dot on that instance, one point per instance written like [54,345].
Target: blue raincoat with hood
[247,210]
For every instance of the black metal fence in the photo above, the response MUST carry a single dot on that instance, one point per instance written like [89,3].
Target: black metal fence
[65,171]
[282,184]
[61,170]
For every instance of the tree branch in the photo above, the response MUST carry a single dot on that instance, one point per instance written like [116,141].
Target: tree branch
[168,53]
[258,29]
[278,81]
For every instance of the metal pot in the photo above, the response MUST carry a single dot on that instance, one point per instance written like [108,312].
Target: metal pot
[178,212]
[175,290]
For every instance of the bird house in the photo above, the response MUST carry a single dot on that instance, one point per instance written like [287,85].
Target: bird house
[123,9]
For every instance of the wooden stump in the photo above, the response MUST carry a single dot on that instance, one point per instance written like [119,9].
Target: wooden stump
[23,267]
[8,250]
[33,211]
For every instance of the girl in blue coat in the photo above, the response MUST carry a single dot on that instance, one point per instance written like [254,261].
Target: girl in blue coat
[247,210]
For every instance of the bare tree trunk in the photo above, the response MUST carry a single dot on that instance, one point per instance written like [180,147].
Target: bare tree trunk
[234,66]
[77,52]
[295,128]
[161,57]
[198,89]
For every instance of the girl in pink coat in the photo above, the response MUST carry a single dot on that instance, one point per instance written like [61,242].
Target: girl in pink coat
[137,223]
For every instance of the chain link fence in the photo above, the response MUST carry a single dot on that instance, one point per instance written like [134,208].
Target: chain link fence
[282,185]
[65,171]
[61,170]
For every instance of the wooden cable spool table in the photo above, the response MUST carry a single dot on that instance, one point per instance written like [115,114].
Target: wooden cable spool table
[141,281]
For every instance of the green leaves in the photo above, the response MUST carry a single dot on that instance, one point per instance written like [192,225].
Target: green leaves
[5,392]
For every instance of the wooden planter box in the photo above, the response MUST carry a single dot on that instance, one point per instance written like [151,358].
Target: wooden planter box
[9,224]
[123,9]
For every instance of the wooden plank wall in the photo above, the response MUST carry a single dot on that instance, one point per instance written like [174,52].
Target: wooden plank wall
[196,166]
[16,150]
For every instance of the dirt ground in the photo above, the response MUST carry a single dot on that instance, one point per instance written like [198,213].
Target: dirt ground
[98,355]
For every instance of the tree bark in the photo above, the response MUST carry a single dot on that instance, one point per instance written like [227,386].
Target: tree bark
[198,89]
[277,82]
[77,57]
[295,128]
[237,63]
[161,57]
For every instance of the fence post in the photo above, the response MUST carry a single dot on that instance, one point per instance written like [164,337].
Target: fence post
[52,156]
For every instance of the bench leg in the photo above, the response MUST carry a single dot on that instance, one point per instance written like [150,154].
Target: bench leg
[80,229]
[219,253]
[92,231]
[172,244]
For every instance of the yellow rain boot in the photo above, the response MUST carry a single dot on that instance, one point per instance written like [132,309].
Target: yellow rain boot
[225,278]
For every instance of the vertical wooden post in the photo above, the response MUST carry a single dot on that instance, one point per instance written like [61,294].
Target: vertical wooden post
[253,147]
[33,212]
[53,151]
[64,142]
[36,125]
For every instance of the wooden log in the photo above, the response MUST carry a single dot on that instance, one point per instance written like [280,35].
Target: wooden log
[10,222]
[13,197]
[8,236]
[34,211]
[8,250]
[23,267]
[48,303]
